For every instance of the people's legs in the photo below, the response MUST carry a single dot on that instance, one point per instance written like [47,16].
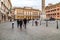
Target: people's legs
[36,23]
[32,24]
[12,25]
[25,26]
[20,26]
[17,25]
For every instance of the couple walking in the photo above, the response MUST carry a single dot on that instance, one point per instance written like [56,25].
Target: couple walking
[21,22]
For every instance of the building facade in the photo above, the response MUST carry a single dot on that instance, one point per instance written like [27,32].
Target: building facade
[26,12]
[53,10]
[5,6]
[13,14]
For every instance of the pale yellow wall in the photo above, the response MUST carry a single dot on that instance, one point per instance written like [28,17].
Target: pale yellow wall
[26,13]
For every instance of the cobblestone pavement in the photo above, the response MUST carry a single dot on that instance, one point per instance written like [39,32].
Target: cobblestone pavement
[40,32]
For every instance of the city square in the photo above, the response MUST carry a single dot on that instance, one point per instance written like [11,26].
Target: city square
[40,32]
[29,20]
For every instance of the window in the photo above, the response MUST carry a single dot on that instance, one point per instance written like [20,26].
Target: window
[57,16]
[47,11]
[54,9]
[58,9]
[57,13]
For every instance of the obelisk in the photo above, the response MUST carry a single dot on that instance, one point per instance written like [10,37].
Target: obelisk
[43,6]
[43,15]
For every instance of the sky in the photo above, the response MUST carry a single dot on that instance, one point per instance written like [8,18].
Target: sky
[32,3]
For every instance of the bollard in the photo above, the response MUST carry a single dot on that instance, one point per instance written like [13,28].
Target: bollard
[57,24]
[46,23]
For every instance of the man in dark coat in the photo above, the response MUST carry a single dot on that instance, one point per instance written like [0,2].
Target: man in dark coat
[25,22]
[20,23]
[17,23]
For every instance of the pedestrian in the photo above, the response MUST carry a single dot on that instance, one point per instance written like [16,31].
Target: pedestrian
[20,23]
[36,23]
[12,24]
[17,23]
[25,22]
[32,22]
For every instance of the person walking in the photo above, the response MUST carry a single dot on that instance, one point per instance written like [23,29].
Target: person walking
[20,23]
[25,22]
[17,23]
[32,22]
[36,23]
[12,24]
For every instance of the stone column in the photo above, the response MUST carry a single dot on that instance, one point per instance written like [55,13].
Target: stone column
[43,15]
[43,6]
